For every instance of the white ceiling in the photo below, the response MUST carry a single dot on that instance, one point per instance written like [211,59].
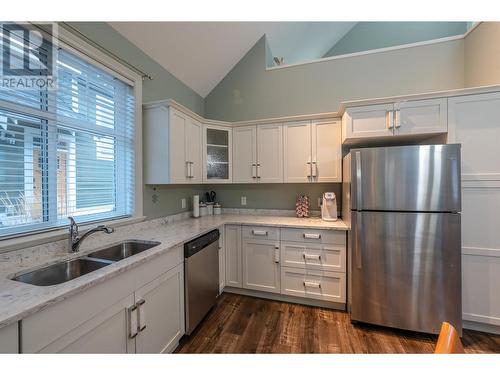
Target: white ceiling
[200,54]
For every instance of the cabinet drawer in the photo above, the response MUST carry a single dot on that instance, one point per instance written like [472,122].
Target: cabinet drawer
[322,285]
[313,256]
[335,237]
[265,233]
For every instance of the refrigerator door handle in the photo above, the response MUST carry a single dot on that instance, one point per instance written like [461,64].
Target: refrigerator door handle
[357,250]
[358,180]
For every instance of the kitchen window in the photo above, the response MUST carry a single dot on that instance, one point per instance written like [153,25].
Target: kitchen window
[68,152]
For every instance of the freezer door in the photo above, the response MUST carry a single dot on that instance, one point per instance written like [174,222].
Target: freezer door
[406,178]
[406,270]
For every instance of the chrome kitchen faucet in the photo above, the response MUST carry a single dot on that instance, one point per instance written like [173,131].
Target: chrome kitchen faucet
[74,238]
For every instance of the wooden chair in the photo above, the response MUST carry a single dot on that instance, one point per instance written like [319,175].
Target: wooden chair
[448,341]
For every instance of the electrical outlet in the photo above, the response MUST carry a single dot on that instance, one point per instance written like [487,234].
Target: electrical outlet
[183,203]
[243,201]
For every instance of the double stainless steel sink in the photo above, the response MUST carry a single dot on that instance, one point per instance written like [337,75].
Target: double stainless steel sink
[61,272]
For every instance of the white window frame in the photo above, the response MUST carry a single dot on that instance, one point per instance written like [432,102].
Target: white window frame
[104,61]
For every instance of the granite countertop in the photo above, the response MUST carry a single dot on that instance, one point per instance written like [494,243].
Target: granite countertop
[18,300]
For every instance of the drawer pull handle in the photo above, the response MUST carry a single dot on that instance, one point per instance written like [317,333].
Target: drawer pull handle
[314,236]
[259,232]
[312,256]
[309,284]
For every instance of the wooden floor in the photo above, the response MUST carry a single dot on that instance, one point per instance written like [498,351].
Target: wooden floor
[240,324]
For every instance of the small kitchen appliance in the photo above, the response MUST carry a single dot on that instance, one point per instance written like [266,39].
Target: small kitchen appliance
[329,207]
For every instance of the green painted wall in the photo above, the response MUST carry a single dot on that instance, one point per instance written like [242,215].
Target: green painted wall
[276,196]
[163,200]
[372,35]
[163,86]
[249,91]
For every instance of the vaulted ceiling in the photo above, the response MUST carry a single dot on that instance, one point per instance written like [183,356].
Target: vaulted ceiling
[200,54]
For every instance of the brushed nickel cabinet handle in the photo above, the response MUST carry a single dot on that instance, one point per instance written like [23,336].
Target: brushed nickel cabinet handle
[311,256]
[312,236]
[310,284]
[141,315]
[132,321]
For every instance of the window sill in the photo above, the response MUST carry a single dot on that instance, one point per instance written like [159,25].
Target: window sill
[22,242]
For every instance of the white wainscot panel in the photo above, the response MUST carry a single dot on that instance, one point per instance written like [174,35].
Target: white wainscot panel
[481,251]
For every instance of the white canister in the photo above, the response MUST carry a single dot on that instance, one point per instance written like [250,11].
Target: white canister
[210,208]
[217,209]
[203,209]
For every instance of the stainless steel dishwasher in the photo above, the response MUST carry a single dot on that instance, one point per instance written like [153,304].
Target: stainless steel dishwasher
[201,277]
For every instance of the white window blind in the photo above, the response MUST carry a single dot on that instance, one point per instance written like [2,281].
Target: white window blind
[73,157]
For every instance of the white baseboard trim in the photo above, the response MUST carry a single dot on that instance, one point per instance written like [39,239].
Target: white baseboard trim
[283,298]
[482,327]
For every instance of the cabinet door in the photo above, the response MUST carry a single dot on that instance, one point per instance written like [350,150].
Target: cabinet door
[270,153]
[261,268]
[161,312]
[245,154]
[107,332]
[222,261]
[232,243]
[217,141]
[326,151]
[368,121]
[297,151]
[178,150]
[474,122]
[421,117]
[194,145]
[9,339]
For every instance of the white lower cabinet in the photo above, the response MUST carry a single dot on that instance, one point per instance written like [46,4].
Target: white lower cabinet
[140,310]
[107,332]
[321,285]
[314,256]
[222,260]
[9,339]
[298,262]
[261,267]
[232,248]
[160,307]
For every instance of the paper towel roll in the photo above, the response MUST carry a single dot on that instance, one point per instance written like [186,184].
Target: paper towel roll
[196,206]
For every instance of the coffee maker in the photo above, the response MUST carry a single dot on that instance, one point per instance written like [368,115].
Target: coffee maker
[329,207]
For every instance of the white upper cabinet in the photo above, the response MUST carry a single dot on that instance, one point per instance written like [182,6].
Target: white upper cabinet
[368,122]
[312,151]
[270,153]
[421,117]
[245,154]
[326,151]
[412,117]
[194,146]
[258,153]
[217,145]
[474,121]
[172,147]
[179,130]
[297,151]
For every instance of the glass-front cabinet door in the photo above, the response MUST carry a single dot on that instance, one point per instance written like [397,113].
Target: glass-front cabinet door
[217,154]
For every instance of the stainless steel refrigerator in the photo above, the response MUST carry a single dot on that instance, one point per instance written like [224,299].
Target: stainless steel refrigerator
[403,207]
